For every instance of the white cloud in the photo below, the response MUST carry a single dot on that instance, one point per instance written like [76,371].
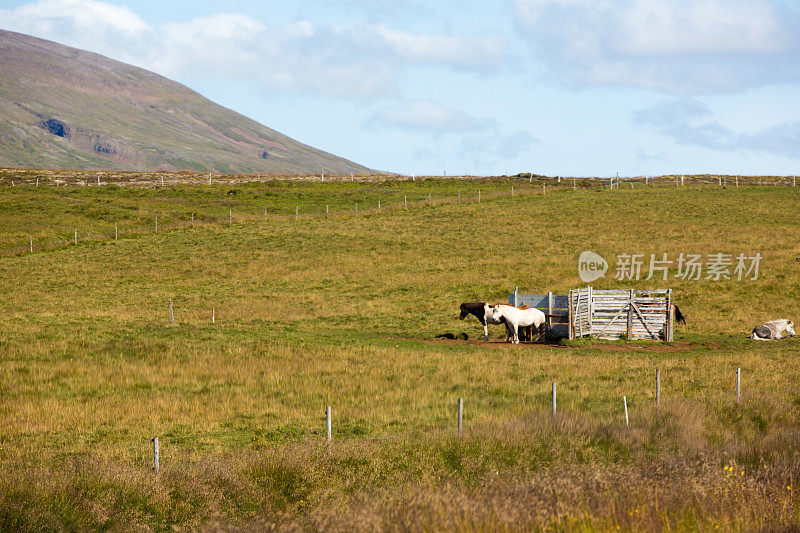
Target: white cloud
[86,15]
[494,148]
[455,135]
[463,52]
[354,61]
[691,122]
[689,46]
[426,116]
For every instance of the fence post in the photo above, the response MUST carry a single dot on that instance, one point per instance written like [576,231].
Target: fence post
[326,212]
[116,231]
[76,236]
[625,401]
[230,216]
[512,190]
[156,225]
[213,313]
[209,178]
[37,181]
[31,243]
[554,401]
[737,182]
[658,387]
[460,415]
[459,196]
[155,455]
[573,182]
[171,316]
[479,196]
[356,209]
[571,318]
[429,198]
[405,201]
[328,422]
[549,310]
[630,316]
[794,179]
[379,206]
[738,384]
[544,188]
[323,177]
[515,296]
[645,180]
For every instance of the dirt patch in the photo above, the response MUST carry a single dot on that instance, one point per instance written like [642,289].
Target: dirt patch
[656,347]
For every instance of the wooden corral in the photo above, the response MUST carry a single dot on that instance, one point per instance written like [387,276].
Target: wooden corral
[605,314]
[554,306]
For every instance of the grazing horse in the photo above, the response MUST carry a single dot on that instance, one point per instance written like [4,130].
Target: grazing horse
[516,318]
[482,311]
[678,315]
[774,329]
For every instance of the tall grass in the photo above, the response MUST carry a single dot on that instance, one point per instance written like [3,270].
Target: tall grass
[342,312]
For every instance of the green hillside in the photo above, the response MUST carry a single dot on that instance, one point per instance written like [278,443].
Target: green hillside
[66,108]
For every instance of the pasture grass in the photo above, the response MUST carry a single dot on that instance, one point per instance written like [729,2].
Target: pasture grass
[342,312]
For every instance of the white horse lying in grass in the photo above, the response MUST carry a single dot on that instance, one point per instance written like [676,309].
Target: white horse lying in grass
[774,329]
[516,318]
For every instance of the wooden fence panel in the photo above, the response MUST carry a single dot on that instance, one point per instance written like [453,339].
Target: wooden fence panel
[606,314]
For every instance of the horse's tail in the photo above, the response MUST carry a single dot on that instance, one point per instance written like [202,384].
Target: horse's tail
[678,315]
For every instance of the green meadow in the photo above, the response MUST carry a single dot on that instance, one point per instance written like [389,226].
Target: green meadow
[342,310]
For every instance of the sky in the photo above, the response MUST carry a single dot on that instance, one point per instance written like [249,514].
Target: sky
[480,87]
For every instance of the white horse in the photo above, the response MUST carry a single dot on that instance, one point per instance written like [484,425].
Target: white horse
[774,329]
[516,317]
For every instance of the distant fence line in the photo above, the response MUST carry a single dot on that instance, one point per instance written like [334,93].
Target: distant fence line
[557,183]
[62,178]
[381,207]
[459,413]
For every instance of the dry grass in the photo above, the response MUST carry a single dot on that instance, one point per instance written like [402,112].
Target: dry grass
[341,312]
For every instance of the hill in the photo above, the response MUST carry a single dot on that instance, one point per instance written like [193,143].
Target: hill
[61,107]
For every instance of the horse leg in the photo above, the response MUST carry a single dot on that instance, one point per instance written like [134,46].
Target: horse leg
[516,333]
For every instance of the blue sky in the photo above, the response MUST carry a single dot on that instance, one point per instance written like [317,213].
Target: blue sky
[560,87]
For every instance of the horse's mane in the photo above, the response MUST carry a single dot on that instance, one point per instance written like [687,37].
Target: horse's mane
[473,306]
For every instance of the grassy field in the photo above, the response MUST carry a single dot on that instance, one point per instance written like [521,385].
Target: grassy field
[342,311]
